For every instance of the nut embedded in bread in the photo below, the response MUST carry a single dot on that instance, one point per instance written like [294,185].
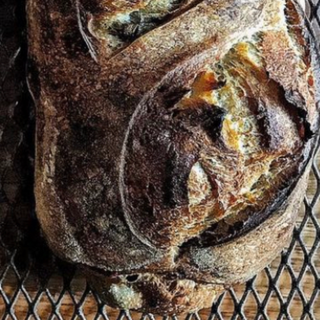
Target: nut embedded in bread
[173,141]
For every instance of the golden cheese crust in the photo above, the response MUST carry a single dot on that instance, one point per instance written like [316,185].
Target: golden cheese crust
[171,137]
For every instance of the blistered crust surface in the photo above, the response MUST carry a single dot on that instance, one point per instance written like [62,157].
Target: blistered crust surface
[168,129]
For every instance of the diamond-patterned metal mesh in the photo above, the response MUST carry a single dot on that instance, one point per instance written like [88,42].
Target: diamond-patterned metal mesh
[36,285]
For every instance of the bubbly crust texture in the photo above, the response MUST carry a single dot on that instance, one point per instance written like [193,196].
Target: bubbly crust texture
[174,141]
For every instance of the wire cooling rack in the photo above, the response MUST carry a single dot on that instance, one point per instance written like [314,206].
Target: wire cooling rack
[36,285]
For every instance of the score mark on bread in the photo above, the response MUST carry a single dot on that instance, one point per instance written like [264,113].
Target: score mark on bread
[216,152]
[124,22]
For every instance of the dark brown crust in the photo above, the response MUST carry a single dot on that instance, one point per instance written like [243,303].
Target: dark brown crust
[114,153]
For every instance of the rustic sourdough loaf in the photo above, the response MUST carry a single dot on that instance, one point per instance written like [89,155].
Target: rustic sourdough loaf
[174,141]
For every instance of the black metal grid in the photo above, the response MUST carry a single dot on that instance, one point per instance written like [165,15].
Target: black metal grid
[36,285]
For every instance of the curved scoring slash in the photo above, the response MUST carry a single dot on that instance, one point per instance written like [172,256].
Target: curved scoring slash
[122,185]
[83,34]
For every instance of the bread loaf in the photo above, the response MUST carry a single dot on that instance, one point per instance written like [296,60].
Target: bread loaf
[173,142]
